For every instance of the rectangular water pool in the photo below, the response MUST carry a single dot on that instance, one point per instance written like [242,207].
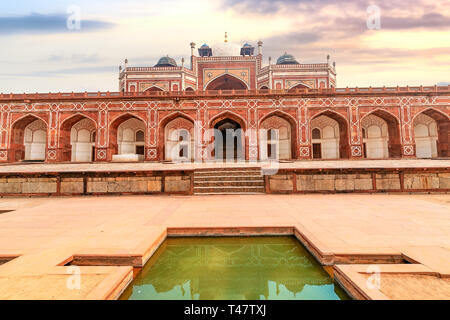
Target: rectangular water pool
[249,268]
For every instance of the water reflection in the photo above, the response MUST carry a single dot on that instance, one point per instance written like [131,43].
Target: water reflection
[233,269]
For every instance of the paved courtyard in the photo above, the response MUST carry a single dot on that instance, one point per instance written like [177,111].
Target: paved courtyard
[41,235]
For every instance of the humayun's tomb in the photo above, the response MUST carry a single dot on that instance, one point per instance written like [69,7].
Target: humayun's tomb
[226,103]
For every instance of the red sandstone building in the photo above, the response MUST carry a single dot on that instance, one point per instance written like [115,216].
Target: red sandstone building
[285,110]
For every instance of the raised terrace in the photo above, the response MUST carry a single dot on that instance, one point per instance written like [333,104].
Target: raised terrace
[356,176]
[404,238]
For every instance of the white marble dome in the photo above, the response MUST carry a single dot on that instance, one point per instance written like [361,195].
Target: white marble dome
[226,49]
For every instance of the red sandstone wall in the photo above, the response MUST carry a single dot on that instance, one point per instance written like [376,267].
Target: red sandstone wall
[398,109]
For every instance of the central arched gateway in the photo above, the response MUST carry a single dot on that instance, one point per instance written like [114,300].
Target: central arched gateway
[226,82]
[228,141]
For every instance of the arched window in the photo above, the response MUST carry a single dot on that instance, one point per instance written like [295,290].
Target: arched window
[316,133]
[140,137]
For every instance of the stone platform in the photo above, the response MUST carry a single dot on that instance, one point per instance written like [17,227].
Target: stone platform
[107,236]
[371,176]
[168,166]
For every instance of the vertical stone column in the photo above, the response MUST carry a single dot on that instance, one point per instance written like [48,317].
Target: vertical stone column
[355,132]
[5,132]
[201,136]
[152,136]
[303,136]
[101,145]
[53,153]
[252,130]
[406,130]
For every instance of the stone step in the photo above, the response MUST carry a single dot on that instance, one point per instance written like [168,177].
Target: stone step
[243,183]
[228,189]
[227,193]
[227,173]
[229,169]
[229,178]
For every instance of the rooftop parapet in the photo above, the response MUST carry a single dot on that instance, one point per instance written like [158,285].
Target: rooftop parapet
[28,97]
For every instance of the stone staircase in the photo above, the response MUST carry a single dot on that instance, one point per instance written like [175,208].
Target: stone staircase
[228,181]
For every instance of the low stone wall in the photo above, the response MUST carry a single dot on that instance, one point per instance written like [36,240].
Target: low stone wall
[181,182]
[359,180]
[98,183]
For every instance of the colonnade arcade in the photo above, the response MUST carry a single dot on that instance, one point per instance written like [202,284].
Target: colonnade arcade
[283,134]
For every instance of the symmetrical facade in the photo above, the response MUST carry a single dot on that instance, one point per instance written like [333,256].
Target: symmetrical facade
[222,68]
[226,106]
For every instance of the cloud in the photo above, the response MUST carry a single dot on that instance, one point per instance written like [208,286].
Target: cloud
[290,41]
[75,58]
[351,14]
[46,23]
[274,6]
[431,20]
[67,72]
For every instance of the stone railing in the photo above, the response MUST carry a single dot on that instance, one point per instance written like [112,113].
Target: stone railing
[25,97]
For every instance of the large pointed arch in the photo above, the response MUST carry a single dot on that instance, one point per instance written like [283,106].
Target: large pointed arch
[154,88]
[162,138]
[17,138]
[229,115]
[393,123]
[344,142]
[113,131]
[443,130]
[299,86]
[293,130]
[226,82]
[65,139]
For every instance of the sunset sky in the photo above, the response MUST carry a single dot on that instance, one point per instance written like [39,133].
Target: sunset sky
[38,53]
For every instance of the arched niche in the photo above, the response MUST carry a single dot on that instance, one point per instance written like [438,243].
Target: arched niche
[276,137]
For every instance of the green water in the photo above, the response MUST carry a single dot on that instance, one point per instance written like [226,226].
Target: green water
[255,268]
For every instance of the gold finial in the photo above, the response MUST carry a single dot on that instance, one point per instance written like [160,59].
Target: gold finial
[226,37]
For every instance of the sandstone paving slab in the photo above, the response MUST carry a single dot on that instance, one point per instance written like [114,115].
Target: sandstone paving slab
[436,258]
[46,232]
[393,281]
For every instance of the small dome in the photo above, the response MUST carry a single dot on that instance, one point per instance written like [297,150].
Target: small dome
[166,62]
[247,45]
[287,59]
[204,46]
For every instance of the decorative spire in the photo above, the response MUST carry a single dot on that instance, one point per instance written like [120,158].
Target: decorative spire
[226,37]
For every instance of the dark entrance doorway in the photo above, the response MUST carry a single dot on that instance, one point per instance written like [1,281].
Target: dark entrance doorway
[228,141]
[317,151]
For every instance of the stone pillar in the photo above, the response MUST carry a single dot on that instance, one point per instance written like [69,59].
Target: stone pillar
[252,131]
[407,130]
[152,136]
[101,145]
[355,132]
[53,152]
[4,130]
[201,134]
[303,143]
